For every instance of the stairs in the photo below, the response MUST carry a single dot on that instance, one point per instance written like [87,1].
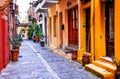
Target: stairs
[104,68]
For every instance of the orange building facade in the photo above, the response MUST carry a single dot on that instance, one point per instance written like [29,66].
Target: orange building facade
[93,28]
[89,26]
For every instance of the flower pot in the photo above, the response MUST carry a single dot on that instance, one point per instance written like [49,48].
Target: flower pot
[42,44]
[117,73]
[36,39]
[74,55]
[86,58]
[19,43]
[14,54]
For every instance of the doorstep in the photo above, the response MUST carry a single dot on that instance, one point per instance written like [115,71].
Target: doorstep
[62,53]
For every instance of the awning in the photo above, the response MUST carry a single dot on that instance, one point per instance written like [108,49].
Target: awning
[43,10]
[40,9]
[24,24]
[49,3]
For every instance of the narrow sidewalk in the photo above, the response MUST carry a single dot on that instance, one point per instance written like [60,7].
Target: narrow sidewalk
[36,62]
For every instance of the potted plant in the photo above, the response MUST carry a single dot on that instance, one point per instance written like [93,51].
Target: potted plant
[30,32]
[86,58]
[36,36]
[15,48]
[117,63]
[42,41]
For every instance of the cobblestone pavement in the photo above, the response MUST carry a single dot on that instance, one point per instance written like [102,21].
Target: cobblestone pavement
[36,62]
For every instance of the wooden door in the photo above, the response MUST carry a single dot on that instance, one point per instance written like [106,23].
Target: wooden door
[109,14]
[88,32]
[46,30]
[61,29]
[73,26]
[50,29]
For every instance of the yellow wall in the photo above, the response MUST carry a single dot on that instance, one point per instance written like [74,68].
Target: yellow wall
[97,22]
[117,29]
[98,43]
[82,29]
[99,30]
[61,7]
[53,39]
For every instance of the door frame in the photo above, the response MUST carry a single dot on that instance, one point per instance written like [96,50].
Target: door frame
[109,26]
[87,29]
[73,26]
[61,29]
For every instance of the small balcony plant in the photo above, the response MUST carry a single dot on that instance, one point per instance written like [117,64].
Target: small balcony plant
[117,63]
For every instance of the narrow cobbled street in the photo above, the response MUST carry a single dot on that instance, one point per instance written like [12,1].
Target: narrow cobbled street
[36,62]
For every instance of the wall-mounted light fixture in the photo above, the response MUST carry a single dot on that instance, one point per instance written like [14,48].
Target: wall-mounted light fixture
[40,17]
[68,3]
[82,1]
[62,27]
[12,8]
[56,13]
[84,25]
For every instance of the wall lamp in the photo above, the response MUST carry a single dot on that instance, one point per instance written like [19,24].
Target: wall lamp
[68,3]
[12,8]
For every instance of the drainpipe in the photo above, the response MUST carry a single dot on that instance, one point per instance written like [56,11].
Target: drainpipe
[94,27]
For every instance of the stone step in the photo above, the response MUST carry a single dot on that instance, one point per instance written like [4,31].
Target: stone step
[105,65]
[107,60]
[79,60]
[104,74]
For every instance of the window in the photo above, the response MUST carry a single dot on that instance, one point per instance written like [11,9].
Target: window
[50,26]
[55,24]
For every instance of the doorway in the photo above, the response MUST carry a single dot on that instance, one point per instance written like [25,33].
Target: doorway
[109,23]
[61,29]
[88,32]
[73,26]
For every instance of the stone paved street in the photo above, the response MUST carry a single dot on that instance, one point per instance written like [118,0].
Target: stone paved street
[36,62]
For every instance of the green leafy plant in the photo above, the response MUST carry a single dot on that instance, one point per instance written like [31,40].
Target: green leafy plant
[22,30]
[116,62]
[30,31]
[15,41]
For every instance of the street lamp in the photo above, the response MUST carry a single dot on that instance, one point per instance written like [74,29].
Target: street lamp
[40,17]
[12,8]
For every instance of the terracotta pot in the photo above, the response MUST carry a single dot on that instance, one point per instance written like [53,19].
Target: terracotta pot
[74,55]
[86,58]
[19,43]
[14,54]
[117,73]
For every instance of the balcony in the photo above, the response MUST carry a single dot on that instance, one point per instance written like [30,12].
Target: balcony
[40,9]
[44,4]
[49,3]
